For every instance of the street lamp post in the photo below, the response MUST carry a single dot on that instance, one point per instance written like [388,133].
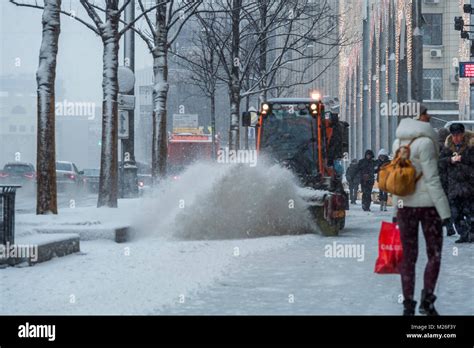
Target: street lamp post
[129,169]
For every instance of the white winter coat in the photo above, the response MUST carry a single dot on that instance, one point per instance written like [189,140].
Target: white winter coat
[424,156]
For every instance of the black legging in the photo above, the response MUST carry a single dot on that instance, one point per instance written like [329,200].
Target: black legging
[366,195]
[353,188]
[408,221]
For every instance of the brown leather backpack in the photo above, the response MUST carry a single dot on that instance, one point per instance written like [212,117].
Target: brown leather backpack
[399,176]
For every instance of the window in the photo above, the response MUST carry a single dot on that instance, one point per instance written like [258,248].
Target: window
[64,166]
[432,84]
[22,128]
[12,128]
[433,29]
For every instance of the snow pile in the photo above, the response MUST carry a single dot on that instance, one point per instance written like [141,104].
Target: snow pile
[212,201]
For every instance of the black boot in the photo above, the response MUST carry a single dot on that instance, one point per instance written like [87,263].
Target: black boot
[427,304]
[409,307]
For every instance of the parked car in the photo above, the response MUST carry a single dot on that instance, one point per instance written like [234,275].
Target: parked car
[18,173]
[144,177]
[68,177]
[91,180]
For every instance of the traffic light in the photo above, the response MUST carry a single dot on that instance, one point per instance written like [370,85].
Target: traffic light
[464,35]
[458,23]
[468,8]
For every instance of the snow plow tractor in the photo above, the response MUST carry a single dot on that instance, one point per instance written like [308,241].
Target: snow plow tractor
[299,134]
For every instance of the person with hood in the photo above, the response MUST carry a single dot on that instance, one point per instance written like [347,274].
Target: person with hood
[353,180]
[366,172]
[428,205]
[456,167]
[379,163]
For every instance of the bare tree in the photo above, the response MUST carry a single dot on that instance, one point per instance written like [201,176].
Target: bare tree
[203,65]
[105,22]
[263,46]
[46,196]
[159,34]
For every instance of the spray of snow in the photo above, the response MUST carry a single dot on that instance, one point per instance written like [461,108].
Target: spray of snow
[212,201]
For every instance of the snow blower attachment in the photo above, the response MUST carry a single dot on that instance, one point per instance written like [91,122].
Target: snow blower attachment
[300,135]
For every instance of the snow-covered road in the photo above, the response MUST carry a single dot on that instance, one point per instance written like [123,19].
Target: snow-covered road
[272,275]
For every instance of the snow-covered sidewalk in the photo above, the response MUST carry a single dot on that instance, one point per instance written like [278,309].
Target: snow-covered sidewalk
[132,278]
[272,275]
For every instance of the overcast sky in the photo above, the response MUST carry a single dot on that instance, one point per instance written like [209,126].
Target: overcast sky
[80,50]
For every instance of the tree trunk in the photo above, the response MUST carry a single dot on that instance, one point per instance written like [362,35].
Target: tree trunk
[46,202]
[160,95]
[234,84]
[109,151]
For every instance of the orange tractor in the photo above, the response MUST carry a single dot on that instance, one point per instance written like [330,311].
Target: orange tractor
[299,134]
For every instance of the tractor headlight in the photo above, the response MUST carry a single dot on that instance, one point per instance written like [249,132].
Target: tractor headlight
[316,96]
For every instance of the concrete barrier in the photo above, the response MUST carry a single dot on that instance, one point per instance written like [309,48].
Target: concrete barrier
[46,247]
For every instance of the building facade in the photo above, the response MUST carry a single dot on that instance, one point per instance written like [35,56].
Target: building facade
[387,67]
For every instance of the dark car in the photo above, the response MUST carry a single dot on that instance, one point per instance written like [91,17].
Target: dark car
[91,180]
[18,173]
[68,177]
[144,175]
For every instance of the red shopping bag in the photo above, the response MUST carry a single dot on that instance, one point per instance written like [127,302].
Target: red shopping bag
[390,249]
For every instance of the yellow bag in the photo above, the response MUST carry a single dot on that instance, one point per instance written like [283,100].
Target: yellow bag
[399,176]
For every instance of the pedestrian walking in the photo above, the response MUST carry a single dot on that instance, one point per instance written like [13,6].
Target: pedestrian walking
[428,205]
[382,159]
[353,180]
[456,167]
[366,172]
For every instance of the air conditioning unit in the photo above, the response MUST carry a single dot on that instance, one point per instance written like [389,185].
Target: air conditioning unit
[431,2]
[436,53]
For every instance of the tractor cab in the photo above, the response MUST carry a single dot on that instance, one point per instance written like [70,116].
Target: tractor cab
[301,135]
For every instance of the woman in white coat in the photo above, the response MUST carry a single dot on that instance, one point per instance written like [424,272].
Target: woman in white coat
[428,205]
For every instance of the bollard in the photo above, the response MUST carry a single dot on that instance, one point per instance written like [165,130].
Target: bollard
[7,214]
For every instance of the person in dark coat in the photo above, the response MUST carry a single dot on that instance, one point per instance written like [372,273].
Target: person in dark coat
[443,133]
[366,172]
[381,161]
[353,180]
[456,168]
